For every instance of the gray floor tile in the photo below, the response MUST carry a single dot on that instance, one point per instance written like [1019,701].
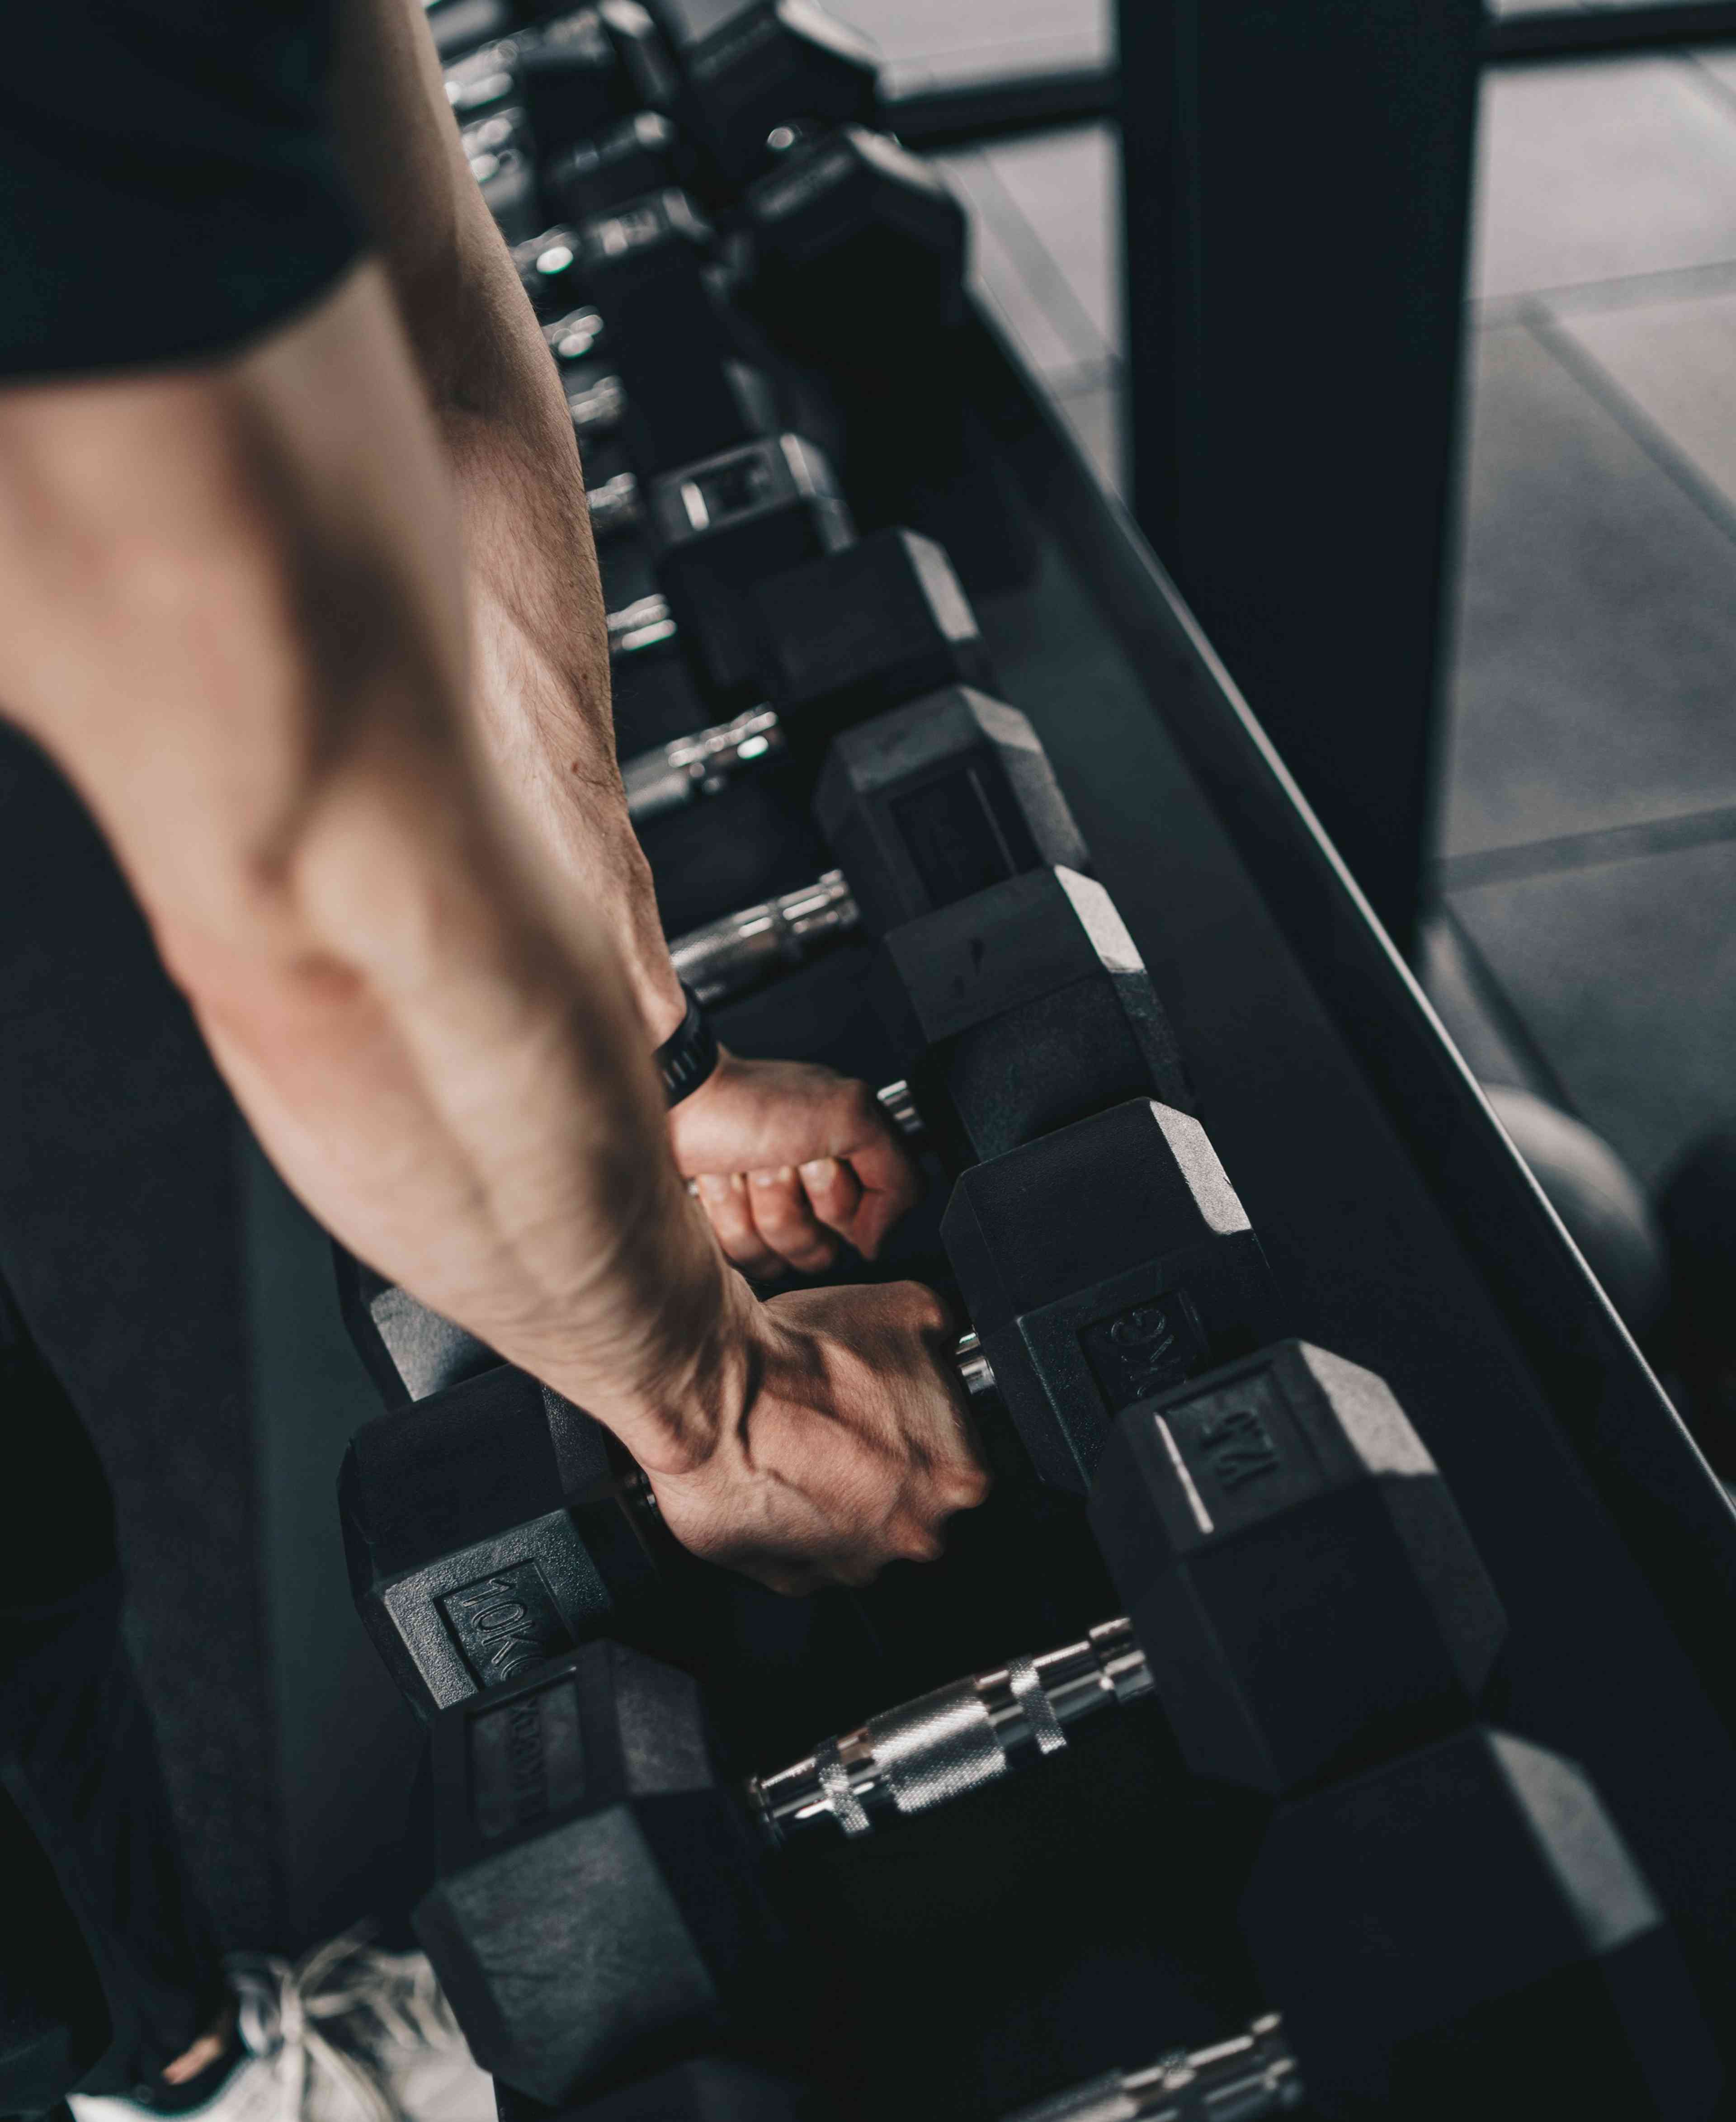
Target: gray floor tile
[1600,168]
[1720,61]
[1023,286]
[923,44]
[1067,187]
[1095,418]
[1676,361]
[1626,975]
[1596,650]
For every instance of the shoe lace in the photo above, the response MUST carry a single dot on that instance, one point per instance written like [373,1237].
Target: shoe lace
[324,2016]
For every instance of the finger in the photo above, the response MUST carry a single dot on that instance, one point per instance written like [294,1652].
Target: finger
[786,1223]
[724,1199]
[892,1185]
[834,1193]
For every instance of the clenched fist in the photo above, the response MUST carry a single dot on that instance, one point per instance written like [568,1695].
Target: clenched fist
[788,1158]
[843,1441]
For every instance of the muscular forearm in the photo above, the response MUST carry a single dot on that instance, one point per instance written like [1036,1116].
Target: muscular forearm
[259,689]
[542,695]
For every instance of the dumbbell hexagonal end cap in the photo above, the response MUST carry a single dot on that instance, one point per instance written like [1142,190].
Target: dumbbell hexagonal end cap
[754,64]
[863,631]
[1465,1932]
[485,1532]
[1298,1570]
[596,1899]
[1100,1264]
[858,242]
[939,798]
[1021,1009]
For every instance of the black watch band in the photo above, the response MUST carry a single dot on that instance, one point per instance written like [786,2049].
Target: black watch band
[688,1055]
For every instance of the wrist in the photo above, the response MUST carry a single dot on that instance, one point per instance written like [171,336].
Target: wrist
[678,1420]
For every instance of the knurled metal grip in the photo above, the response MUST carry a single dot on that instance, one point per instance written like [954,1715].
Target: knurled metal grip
[927,1752]
[933,1750]
[1243,2080]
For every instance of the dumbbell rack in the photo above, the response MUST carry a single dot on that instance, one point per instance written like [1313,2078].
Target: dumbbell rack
[1405,1234]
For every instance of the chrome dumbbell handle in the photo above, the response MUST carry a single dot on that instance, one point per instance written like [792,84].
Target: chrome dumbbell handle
[925,1753]
[673,775]
[644,624]
[728,957]
[1243,2080]
[574,337]
[598,410]
[614,504]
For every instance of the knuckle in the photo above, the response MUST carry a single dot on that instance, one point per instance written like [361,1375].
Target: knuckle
[929,1313]
[972,1487]
[859,1109]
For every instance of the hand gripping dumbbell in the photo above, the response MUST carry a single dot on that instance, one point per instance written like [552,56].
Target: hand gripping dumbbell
[553,2015]
[920,807]
[464,1572]
[1463,1919]
[1014,1011]
[422,1530]
[489,1525]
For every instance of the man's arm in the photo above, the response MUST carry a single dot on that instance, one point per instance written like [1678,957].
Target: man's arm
[785,1155]
[232,607]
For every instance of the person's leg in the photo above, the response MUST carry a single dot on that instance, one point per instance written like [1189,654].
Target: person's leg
[109,1974]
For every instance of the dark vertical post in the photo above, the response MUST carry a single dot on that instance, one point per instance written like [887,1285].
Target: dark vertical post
[1298,185]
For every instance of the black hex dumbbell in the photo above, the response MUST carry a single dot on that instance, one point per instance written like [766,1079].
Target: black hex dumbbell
[1101,1263]
[1464,1930]
[841,639]
[757,71]
[489,1525]
[580,72]
[922,806]
[684,378]
[575,1527]
[1469,1935]
[933,1751]
[1017,1010]
[860,250]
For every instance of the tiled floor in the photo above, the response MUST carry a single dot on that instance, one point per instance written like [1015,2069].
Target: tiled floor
[1588,878]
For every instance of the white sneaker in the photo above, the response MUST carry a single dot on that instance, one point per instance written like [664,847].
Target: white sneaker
[346,2033]
[414,2045]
